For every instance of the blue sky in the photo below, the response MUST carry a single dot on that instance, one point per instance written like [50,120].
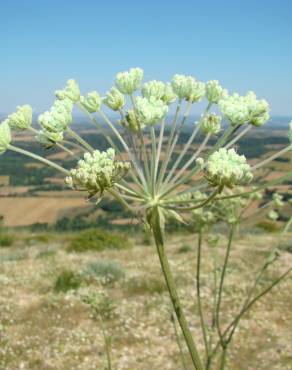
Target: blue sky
[246,44]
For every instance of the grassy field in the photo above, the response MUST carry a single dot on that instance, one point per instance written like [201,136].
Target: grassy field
[45,324]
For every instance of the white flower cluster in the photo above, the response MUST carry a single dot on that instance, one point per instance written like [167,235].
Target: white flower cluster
[54,122]
[114,99]
[245,109]
[159,90]
[186,87]
[71,92]
[150,111]
[211,124]
[215,92]
[91,101]
[130,81]
[278,200]
[5,136]
[227,168]
[21,119]
[97,172]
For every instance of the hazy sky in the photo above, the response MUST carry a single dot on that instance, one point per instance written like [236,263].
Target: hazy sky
[246,44]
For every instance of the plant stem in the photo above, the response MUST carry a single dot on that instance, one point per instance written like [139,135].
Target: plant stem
[80,140]
[179,344]
[198,285]
[272,157]
[230,239]
[223,358]
[39,158]
[159,240]
[287,227]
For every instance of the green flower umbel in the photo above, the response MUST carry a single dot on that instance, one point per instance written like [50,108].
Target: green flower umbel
[21,119]
[71,91]
[114,99]
[97,172]
[215,92]
[5,136]
[150,111]
[227,168]
[186,87]
[91,101]
[211,124]
[130,81]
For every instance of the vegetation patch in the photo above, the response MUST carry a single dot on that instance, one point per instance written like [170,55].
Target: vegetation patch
[105,271]
[98,240]
[67,280]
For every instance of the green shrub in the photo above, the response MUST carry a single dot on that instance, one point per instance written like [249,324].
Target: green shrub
[286,246]
[67,280]
[6,240]
[269,226]
[185,248]
[106,271]
[149,285]
[98,240]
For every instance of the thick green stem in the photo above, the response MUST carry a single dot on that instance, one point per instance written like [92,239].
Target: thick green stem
[178,341]
[223,358]
[159,240]
[198,286]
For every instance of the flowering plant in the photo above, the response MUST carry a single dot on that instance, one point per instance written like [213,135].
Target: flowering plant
[147,175]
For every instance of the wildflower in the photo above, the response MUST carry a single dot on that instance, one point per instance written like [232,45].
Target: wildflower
[71,91]
[215,92]
[49,139]
[130,81]
[273,215]
[200,162]
[186,87]
[227,168]
[57,118]
[150,111]
[114,99]
[91,102]
[245,109]
[211,124]
[154,89]
[278,200]
[21,119]
[168,96]
[97,172]
[131,121]
[5,136]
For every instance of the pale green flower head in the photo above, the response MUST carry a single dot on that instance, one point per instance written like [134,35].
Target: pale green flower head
[215,92]
[97,172]
[198,92]
[235,109]
[154,89]
[211,124]
[21,119]
[49,139]
[169,96]
[200,163]
[226,168]
[114,99]
[150,111]
[186,87]
[245,109]
[58,117]
[71,91]
[258,109]
[273,215]
[91,101]
[130,81]
[132,122]
[5,136]
[278,200]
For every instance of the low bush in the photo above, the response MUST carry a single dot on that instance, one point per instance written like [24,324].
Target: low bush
[185,248]
[149,285]
[285,246]
[67,280]
[105,271]
[98,240]
[269,226]
[6,240]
